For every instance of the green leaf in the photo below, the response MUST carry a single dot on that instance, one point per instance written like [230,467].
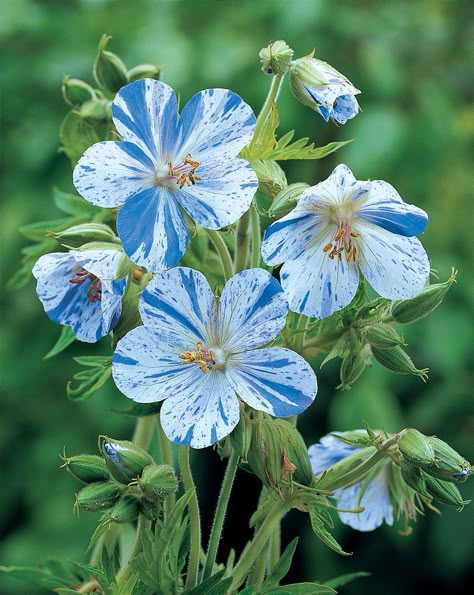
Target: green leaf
[300,149]
[281,568]
[318,521]
[30,256]
[343,579]
[265,142]
[73,204]
[91,379]
[212,586]
[139,409]
[302,589]
[65,339]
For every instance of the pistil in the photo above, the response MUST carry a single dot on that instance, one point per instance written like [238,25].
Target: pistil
[342,243]
[202,357]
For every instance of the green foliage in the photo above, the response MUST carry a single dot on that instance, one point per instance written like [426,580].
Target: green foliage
[66,337]
[214,585]
[98,370]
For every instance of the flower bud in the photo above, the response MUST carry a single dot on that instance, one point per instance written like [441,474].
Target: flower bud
[241,436]
[96,110]
[448,464]
[76,92]
[271,178]
[144,71]
[276,57]
[287,199]
[351,368]
[331,476]
[86,468]
[150,510]
[78,235]
[109,70]
[124,460]
[383,336]
[398,361]
[443,491]
[413,477]
[321,87]
[406,311]
[416,448]
[98,496]
[157,481]
[124,511]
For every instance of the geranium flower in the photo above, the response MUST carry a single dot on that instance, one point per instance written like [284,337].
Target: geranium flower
[373,492]
[338,228]
[165,163]
[321,87]
[198,356]
[79,289]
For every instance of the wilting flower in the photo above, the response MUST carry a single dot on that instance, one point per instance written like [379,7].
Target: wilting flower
[321,87]
[165,163]
[338,228]
[199,356]
[79,289]
[373,492]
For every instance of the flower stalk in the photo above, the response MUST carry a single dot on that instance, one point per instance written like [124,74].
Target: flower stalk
[193,560]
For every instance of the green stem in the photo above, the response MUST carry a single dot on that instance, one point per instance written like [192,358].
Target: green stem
[126,570]
[300,332]
[242,242]
[275,547]
[223,252]
[166,454]
[266,110]
[193,561]
[254,550]
[143,431]
[221,510]
[256,238]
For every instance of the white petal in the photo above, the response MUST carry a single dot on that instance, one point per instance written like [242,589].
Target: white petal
[101,262]
[327,452]
[223,194]
[109,172]
[330,191]
[201,416]
[275,380]
[397,267]
[252,310]
[179,305]
[145,113]
[111,302]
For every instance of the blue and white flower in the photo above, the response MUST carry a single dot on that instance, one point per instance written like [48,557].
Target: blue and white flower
[372,492]
[321,87]
[166,163]
[199,356]
[338,228]
[80,289]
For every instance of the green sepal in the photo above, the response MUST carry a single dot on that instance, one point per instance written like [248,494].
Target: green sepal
[447,464]
[86,468]
[157,481]
[287,199]
[383,336]
[124,459]
[66,337]
[98,370]
[97,496]
[42,229]
[76,92]
[318,524]
[81,235]
[124,511]
[144,71]
[398,361]
[109,71]
[416,448]
[276,57]
[444,491]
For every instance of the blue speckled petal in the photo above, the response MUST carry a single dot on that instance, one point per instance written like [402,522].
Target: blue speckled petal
[203,416]
[383,206]
[214,125]
[101,262]
[397,267]
[327,452]
[222,195]
[145,113]
[147,368]
[252,310]
[111,302]
[179,305]
[275,380]
[345,107]
[109,172]
[329,192]
[152,229]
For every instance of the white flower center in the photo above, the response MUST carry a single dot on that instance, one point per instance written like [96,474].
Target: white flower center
[170,175]
[206,359]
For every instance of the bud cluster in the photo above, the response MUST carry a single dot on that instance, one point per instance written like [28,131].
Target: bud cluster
[124,481]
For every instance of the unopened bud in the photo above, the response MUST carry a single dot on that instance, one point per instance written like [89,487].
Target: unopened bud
[271,178]
[76,92]
[397,360]
[86,468]
[413,477]
[78,235]
[150,510]
[383,336]
[125,510]
[443,491]
[276,57]
[98,496]
[124,460]
[287,199]
[157,481]
[144,71]
[448,465]
[351,368]
[109,70]
[96,110]
[415,448]
[406,311]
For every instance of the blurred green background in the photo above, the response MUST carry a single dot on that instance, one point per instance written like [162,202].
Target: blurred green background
[411,60]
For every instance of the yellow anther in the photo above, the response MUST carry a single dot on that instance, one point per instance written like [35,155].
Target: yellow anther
[327,247]
[354,234]
[339,234]
[201,357]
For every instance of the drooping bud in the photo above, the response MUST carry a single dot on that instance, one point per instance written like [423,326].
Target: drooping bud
[413,477]
[124,460]
[125,510]
[276,57]
[86,468]
[78,235]
[416,448]
[443,491]
[109,70]
[241,436]
[330,478]
[271,178]
[76,92]
[287,199]
[406,311]
[383,336]
[144,71]
[96,110]
[157,481]
[98,496]
[448,464]
[351,368]
[397,360]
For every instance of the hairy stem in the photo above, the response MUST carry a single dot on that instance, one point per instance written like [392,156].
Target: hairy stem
[242,242]
[266,110]
[166,454]
[126,570]
[193,560]
[223,252]
[256,238]
[221,510]
[143,431]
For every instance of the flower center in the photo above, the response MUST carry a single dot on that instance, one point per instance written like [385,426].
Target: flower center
[342,242]
[184,172]
[80,275]
[202,357]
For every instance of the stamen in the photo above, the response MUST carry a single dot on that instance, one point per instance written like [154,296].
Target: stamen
[184,172]
[327,247]
[202,357]
[94,292]
[343,242]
